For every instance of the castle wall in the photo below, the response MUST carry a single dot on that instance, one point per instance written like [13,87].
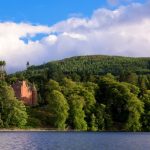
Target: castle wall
[25,93]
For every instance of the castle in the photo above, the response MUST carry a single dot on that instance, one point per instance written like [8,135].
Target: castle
[25,92]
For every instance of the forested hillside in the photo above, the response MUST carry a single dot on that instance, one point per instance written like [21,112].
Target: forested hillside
[99,64]
[90,93]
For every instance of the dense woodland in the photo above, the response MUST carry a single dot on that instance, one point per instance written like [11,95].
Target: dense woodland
[94,93]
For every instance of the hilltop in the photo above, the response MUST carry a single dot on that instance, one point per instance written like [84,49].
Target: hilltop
[98,64]
[94,65]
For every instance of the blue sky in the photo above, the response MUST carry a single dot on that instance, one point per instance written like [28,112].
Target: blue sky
[50,11]
[46,11]
[40,31]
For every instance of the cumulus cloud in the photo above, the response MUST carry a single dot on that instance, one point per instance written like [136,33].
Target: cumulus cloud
[123,31]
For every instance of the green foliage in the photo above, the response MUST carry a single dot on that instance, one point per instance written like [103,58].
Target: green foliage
[52,85]
[135,108]
[146,99]
[129,77]
[133,89]
[84,66]
[90,87]
[123,105]
[103,93]
[39,117]
[146,121]
[89,101]
[33,122]
[101,117]
[93,123]
[85,91]
[143,83]
[68,86]
[76,113]
[12,111]
[57,105]
[146,115]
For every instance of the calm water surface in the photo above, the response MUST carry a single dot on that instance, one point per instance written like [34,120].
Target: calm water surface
[74,141]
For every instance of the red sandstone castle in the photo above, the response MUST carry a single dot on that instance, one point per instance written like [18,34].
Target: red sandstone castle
[25,92]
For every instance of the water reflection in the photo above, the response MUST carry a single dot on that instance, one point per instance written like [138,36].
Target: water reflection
[74,141]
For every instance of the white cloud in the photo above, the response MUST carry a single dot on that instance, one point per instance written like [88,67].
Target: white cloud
[124,31]
[75,36]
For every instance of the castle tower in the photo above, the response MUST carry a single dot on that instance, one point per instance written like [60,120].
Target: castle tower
[25,92]
[28,64]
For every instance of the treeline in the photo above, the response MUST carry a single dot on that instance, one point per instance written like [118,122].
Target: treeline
[107,104]
[90,93]
[93,65]
[84,68]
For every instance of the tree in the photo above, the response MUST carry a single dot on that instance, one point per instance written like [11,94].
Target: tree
[55,72]
[91,87]
[12,111]
[68,87]
[143,84]
[146,100]
[135,109]
[76,113]
[133,89]
[85,93]
[2,65]
[129,77]
[52,85]
[89,101]
[49,87]
[58,107]
[2,69]
[93,124]
[100,115]
[124,106]
[146,115]
[146,121]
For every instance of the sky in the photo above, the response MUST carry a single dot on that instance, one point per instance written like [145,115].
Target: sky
[40,31]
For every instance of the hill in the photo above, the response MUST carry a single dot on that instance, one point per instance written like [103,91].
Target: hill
[97,65]
[99,101]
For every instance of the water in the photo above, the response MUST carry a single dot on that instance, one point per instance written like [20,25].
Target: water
[74,141]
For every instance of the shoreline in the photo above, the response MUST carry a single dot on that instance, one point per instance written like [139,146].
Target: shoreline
[32,129]
[57,130]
